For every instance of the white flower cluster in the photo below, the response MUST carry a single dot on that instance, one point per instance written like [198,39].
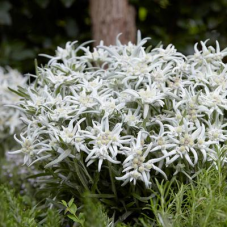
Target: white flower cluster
[9,118]
[144,111]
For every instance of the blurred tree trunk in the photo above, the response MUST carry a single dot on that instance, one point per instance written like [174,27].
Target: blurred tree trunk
[111,17]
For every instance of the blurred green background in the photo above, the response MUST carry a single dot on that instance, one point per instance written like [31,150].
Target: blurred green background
[31,27]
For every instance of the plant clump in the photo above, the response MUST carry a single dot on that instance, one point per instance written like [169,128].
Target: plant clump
[145,112]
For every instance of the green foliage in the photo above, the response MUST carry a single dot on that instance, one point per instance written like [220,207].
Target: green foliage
[122,202]
[169,203]
[99,217]
[14,211]
[93,213]
[19,205]
[20,211]
[52,219]
[71,210]
[201,203]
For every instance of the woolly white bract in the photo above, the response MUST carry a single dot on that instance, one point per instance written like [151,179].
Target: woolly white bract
[9,118]
[144,111]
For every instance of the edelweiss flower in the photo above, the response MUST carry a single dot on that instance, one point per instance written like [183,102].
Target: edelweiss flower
[109,105]
[132,119]
[83,101]
[31,146]
[136,156]
[151,96]
[186,143]
[104,143]
[215,100]
[217,131]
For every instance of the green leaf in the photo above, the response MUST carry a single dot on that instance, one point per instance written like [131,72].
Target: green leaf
[73,209]
[64,203]
[142,199]
[72,217]
[71,202]
[19,93]
[81,218]
[80,176]
[38,175]
[58,89]
[101,195]
[149,49]
[112,179]
[108,202]
[124,216]
[130,204]
[59,159]
[96,179]
[158,45]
